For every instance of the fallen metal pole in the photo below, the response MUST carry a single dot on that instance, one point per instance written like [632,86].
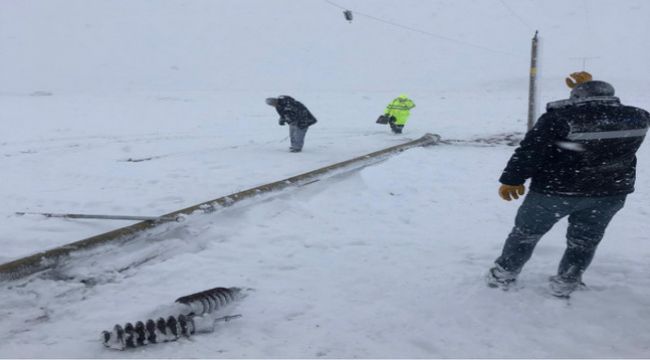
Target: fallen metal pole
[50,258]
[102,217]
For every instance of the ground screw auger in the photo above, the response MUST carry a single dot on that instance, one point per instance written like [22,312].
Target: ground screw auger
[194,318]
[208,301]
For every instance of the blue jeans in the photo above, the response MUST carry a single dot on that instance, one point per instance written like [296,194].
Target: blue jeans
[297,136]
[588,219]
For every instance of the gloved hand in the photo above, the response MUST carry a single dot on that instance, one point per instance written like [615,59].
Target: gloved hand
[281,121]
[579,77]
[509,192]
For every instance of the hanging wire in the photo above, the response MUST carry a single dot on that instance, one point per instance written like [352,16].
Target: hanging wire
[338,6]
[423,32]
[516,15]
[587,33]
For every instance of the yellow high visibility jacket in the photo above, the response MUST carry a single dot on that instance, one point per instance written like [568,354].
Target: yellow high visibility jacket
[400,109]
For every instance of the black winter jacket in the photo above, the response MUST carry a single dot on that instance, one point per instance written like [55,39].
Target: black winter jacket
[582,147]
[294,112]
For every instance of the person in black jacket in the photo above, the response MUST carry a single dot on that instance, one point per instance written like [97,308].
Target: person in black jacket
[580,157]
[295,114]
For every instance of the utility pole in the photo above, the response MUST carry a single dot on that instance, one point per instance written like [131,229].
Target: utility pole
[532,88]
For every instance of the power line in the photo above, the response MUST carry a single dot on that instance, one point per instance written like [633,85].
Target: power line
[423,32]
[333,4]
[516,15]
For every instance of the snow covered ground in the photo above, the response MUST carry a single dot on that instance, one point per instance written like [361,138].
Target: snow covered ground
[387,261]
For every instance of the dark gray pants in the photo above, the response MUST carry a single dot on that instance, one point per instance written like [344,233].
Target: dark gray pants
[397,129]
[588,219]
[297,136]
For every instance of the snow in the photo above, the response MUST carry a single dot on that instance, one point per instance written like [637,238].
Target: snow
[387,261]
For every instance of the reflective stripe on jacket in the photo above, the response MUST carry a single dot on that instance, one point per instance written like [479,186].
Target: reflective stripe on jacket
[581,148]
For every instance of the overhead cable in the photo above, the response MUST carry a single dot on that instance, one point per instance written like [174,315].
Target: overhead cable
[424,32]
[516,15]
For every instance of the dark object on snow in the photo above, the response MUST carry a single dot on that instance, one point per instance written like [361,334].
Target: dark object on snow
[348,15]
[382,119]
[193,319]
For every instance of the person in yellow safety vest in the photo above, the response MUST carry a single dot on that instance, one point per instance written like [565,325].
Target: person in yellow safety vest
[398,112]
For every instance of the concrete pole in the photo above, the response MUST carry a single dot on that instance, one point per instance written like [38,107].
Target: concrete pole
[532,88]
